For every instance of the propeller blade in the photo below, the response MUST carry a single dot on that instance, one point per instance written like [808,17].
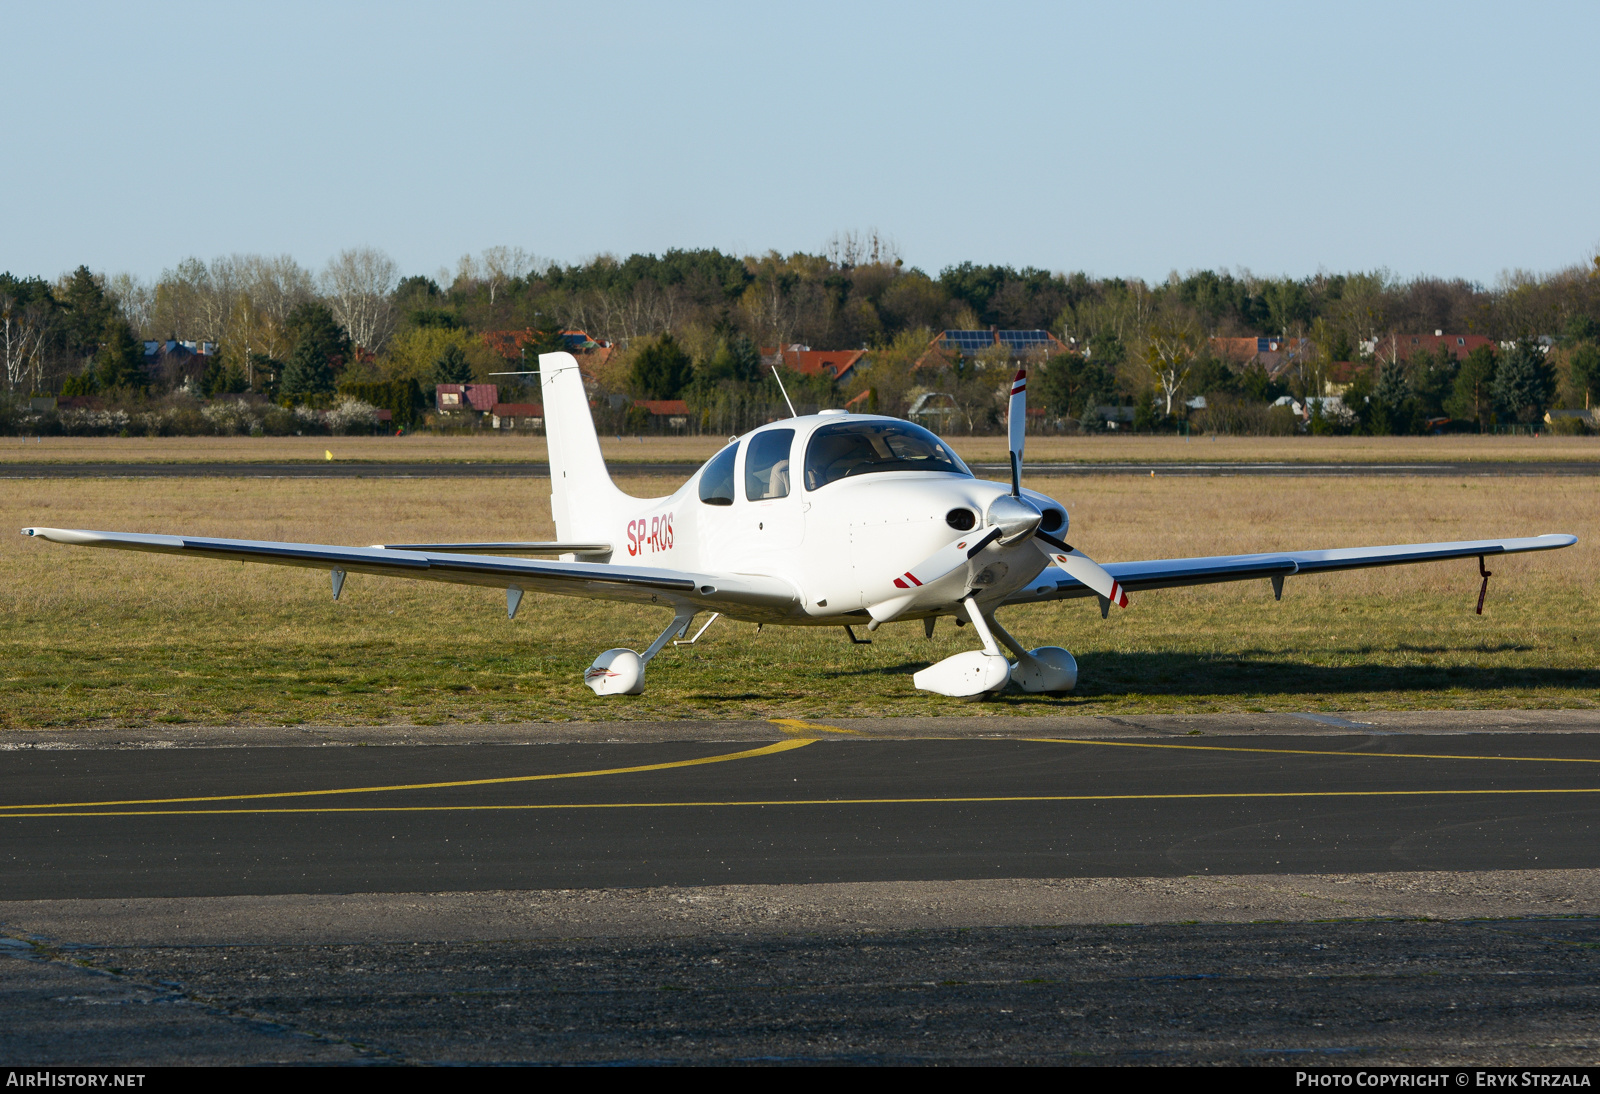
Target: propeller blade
[946,560]
[1082,567]
[1017,427]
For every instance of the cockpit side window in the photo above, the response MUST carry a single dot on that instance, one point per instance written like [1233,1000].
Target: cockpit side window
[858,448]
[716,481]
[766,465]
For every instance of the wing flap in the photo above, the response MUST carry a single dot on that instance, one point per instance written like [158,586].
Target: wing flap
[509,548]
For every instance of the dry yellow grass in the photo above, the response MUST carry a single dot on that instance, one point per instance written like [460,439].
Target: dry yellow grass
[99,637]
[512,448]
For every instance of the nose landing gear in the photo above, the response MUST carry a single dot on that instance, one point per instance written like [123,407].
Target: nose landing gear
[1046,669]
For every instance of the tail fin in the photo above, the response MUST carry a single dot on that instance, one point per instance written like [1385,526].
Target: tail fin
[583,499]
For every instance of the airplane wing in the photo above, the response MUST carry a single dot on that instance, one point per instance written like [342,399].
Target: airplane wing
[1166,573]
[736,594]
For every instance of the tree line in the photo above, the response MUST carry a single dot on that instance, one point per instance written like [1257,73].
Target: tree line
[692,324]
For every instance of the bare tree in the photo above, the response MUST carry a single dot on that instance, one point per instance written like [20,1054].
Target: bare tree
[221,305]
[359,284]
[137,299]
[843,249]
[273,287]
[180,310]
[499,265]
[23,327]
[1169,348]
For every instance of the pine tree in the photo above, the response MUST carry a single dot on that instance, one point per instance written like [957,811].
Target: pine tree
[1472,398]
[313,323]
[1525,382]
[452,366]
[662,370]
[547,339]
[308,373]
[86,313]
[1393,404]
[1586,372]
[119,363]
[320,346]
[734,359]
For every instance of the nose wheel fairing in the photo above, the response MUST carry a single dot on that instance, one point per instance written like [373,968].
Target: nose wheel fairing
[1046,669]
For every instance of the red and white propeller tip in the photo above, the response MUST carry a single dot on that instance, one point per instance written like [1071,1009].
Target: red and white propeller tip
[945,561]
[1080,566]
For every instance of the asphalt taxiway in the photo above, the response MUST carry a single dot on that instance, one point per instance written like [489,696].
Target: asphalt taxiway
[812,806]
[1319,888]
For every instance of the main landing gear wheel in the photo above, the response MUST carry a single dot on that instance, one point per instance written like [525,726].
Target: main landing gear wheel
[621,672]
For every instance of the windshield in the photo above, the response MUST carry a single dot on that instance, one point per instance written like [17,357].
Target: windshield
[860,448]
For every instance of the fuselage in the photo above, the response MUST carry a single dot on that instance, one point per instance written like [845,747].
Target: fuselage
[841,531]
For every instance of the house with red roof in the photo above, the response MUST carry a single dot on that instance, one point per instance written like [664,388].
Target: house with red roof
[457,398]
[837,363]
[521,416]
[1400,347]
[589,351]
[1273,352]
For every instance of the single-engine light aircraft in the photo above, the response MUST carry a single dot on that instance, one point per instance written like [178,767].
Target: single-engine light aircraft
[821,520]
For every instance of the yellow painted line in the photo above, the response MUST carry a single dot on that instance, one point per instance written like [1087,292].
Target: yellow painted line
[1315,752]
[814,801]
[765,750]
[795,725]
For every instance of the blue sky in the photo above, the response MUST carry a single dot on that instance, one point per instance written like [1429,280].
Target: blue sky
[1130,139]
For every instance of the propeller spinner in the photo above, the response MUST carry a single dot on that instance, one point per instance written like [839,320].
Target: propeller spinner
[1013,519]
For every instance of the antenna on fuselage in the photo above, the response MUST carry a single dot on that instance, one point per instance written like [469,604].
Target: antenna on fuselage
[786,398]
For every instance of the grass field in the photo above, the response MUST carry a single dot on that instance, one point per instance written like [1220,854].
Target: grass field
[106,638]
[512,448]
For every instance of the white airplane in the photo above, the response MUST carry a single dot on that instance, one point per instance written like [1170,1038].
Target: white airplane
[830,519]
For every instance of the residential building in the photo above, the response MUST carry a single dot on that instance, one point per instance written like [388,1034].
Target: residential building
[1401,347]
[1338,377]
[520,416]
[472,398]
[589,352]
[176,361]
[671,413]
[814,362]
[1275,354]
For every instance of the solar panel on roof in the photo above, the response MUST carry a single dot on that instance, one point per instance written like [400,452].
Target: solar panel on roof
[973,341]
[968,340]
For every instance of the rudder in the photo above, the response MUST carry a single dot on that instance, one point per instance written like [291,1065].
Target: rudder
[583,500]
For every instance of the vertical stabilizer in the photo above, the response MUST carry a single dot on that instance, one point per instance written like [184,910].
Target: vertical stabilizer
[583,499]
